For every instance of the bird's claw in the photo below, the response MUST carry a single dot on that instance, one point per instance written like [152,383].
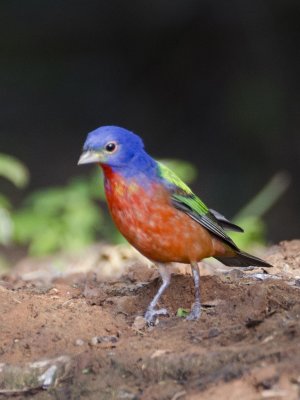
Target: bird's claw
[152,314]
[195,313]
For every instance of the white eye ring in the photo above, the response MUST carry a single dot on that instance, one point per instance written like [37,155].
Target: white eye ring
[111,147]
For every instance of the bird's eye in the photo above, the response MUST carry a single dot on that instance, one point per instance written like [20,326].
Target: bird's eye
[111,147]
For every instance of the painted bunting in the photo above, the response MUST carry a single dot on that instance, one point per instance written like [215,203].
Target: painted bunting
[158,213]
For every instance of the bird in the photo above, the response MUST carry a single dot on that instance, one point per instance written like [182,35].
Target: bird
[159,214]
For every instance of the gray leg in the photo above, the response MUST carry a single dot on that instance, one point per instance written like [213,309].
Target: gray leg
[152,312]
[196,309]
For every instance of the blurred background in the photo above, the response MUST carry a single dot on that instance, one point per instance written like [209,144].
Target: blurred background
[210,82]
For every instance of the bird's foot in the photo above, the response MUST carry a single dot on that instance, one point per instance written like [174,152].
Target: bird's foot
[195,312]
[152,314]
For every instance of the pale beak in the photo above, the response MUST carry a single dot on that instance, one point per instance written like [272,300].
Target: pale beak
[88,157]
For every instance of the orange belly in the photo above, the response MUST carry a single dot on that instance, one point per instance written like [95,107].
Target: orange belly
[157,229]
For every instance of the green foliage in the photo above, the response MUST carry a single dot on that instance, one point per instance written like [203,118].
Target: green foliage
[15,172]
[250,217]
[254,232]
[182,312]
[62,218]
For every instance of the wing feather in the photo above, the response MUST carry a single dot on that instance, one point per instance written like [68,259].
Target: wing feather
[186,201]
[225,223]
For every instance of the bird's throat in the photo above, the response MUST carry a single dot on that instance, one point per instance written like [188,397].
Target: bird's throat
[107,170]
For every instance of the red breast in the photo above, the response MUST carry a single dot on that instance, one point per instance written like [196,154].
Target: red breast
[149,221]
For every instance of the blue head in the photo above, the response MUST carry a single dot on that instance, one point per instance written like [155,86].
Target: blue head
[116,147]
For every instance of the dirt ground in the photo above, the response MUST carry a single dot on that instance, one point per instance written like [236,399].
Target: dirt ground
[76,335]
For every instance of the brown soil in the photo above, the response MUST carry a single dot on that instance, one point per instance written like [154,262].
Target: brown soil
[245,346]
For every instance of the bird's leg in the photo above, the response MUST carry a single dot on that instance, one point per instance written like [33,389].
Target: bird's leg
[153,312]
[196,309]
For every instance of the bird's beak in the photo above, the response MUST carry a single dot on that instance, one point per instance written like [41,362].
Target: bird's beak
[89,156]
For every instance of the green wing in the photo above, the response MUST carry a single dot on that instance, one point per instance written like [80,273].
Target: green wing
[185,200]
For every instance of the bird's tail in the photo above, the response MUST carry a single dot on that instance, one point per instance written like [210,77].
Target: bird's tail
[242,259]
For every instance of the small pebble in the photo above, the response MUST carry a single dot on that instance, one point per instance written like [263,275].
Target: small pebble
[139,323]
[159,353]
[213,332]
[79,342]
[111,339]
[103,339]
[94,341]
[297,281]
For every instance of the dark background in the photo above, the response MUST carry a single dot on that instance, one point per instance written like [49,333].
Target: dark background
[212,82]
